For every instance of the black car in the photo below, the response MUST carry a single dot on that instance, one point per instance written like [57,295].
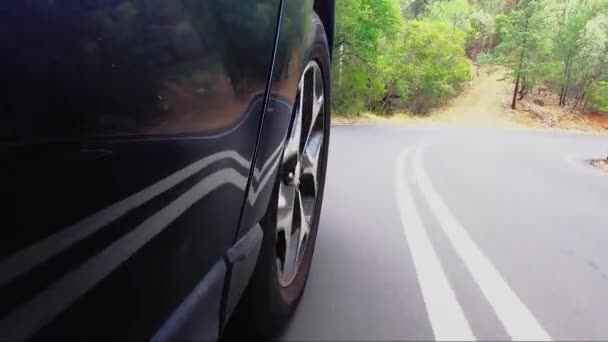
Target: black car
[162,162]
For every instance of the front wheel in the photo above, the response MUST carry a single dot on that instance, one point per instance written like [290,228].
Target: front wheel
[292,218]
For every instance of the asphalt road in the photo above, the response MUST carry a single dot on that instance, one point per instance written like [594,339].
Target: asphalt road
[459,233]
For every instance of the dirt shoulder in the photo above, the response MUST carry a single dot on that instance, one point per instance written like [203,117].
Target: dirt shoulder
[541,110]
[600,164]
[486,102]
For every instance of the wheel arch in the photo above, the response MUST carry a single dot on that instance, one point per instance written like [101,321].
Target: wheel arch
[325,9]
[275,124]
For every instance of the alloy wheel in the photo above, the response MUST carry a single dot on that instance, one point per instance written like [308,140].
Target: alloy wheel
[299,172]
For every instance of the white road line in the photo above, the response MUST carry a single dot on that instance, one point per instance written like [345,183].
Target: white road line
[447,318]
[518,321]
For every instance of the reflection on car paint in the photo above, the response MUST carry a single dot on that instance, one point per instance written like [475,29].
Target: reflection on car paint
[62,293]
[123,67]
[108,113]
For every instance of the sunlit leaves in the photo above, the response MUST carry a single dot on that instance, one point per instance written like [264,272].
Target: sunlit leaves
[416,60]
[386,61]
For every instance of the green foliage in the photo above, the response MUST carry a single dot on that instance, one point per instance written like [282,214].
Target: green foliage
[455,12]
[524,46]
[413,9]
[590,68]
[436,63]
[362,23]
[560,44]
[365,62]
[599,95]
[412,54]
[385,62]
[492,7]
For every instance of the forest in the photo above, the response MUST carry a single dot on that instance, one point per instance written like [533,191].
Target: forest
[414,55]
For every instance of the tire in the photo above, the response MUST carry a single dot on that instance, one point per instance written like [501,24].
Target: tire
[267,304]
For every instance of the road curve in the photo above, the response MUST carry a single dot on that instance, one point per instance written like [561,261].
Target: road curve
[459,233]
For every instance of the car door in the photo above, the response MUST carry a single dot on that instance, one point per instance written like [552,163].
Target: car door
[127,129]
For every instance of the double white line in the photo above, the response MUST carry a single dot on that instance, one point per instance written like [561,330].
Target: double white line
[40,310]
[445,313]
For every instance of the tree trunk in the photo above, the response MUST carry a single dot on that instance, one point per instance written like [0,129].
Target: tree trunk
[567,72]
[514,103]
[566,90]
[523,90]
[585,105]
[521,63]
[341,64]
[562,91]
[580,98]
[577,99]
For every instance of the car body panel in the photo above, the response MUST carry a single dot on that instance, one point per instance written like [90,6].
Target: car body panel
[196,318]
[292,40]
[128,130]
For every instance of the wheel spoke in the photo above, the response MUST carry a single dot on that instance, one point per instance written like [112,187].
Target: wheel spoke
[286,205]
[299,185]
[285,227]
[304,213]
[318,98]
[310,165]
[292,148]
[316,106]
[314,137]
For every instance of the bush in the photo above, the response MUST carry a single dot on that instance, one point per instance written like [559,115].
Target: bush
[436,62]
[599,96]
[383,63]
